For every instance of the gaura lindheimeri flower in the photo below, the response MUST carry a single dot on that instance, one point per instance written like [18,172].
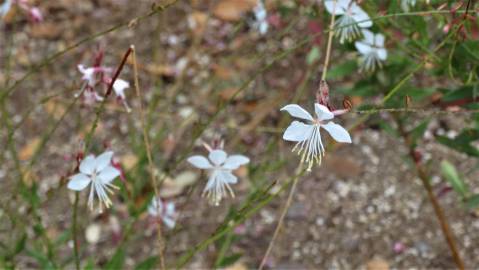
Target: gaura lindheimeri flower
[119,87]
[220,172]
[166,211]
[88,74]
[347,27]
[405,4]
[5,8]
[372,50]
[308,136]
[100,173]
[261,22]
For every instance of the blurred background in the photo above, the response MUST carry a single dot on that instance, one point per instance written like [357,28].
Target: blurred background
[222,69]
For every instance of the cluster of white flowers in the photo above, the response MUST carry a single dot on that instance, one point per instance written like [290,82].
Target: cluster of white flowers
[353,24]
[93,76]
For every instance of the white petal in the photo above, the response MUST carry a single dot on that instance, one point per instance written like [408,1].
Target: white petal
[235,161]
[323,112]
[108,174]
[228,177]
[341,6]
[368,37]
[363,47]
[382,54]
[297,111]
[103,160]
[337,132]
[119,86]
[211,180]
[154,207]
[217,156]
[87,165]
[199,162]
[169,222]
[78,182]
[360,16]
[170,209]
[379,40]
[297,132]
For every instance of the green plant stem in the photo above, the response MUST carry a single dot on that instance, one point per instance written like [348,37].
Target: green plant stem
[151,165]
[281,218]
[76,253]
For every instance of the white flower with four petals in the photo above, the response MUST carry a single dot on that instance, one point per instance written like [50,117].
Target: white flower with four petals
[372,50]
[353,17]
[167,213]
[220,169]
[308,136]
[100,173]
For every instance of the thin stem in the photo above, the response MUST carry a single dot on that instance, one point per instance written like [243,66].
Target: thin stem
[281,218]
[421,172]
[150,158]
[74,232]
[330,41]
[100,110]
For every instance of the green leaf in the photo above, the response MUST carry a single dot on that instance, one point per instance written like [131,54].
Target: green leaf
[147,264]
[463,142]
[117,261]
[343,69]
[473,201]
[313,55]
[418,131]
[229,260]
[449,171]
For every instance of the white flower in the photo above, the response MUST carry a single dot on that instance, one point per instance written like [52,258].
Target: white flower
[405,4]
[261,23]
[119,87]
[88,75]
[5,8]
[99,172]
[308,136]
[372,50]
[220,169]
[347,27]
[167,214]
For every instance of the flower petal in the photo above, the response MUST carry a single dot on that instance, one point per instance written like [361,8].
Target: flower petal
[228,177]
[379,40]
[169,222]
[296,111]
[368,37]
[199,162]
[341,6]
[323,112]
[155,207]
[363,48]
[108,174]
[235,161]
[103,160]
[78,182]
[360,16]
[382,54]
[337,132]
[297,132]
[217,156]
[87,165]
[119,87]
